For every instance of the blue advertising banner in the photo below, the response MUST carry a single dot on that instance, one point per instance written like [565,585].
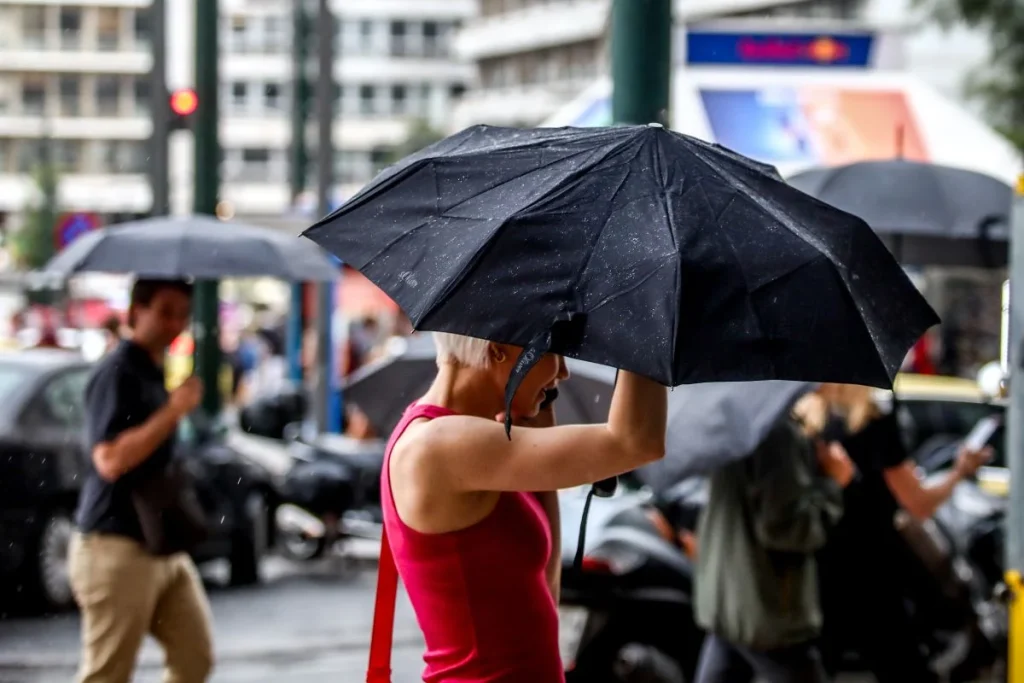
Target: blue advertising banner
[779,49]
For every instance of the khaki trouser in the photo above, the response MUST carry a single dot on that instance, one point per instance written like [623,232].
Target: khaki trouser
[125,593]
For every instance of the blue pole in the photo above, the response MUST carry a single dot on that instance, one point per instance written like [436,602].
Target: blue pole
[295,334]
[335,404]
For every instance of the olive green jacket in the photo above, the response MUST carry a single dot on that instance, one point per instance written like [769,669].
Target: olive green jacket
[756,582]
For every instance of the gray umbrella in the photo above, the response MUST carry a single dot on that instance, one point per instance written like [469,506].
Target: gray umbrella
[927,214]
[199,247]
[384,389]
[710,425]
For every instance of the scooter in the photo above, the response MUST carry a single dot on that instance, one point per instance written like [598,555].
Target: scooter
[331,491]
[626,604]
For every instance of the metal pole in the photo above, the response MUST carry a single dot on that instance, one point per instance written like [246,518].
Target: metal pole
[641,60]
[160,113]
[1015,446]
[207,187]
[301,96]
[328,409]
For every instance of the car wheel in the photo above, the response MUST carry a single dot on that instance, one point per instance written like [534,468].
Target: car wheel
[249,544]
[49,575]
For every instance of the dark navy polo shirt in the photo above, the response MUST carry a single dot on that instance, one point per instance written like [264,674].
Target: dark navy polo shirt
[124,391]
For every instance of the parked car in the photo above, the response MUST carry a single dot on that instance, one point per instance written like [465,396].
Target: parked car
[43,463]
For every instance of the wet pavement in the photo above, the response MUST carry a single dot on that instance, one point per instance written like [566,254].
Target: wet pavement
[304,624]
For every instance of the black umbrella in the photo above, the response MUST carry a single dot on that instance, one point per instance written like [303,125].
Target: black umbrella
[383,390]
[199,247]
[927,214]
[633,247]
[713,424]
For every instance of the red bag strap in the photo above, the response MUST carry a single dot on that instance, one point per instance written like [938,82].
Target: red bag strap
[381,639]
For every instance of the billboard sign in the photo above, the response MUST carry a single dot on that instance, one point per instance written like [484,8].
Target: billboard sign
[779,49]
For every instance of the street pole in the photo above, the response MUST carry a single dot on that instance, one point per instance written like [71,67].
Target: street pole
[297,176]
[160,114]
[328,404]
[1015,445]
[207,187]
[641,61]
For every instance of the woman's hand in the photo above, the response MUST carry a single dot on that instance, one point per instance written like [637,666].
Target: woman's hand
[969,461]
[835,462]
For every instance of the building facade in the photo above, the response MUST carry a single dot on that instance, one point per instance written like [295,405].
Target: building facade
[75,81]
[534,56]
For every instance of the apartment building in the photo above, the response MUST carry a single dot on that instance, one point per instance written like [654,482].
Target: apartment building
[74,80]
[534,56]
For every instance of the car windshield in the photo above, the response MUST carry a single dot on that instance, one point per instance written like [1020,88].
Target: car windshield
[11,377]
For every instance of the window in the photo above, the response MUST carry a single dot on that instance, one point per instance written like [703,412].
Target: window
[399,38]
[366,37]
[63,399]
[433,43]
[367,99]
[143,27]
[239,95]
[276,36]
[272,96]
[108,36]
[399,99]
[108,95]
[70,27]
[5,161]
[33,26]
[67,154]
[255,164]
[237,42]
[33,95]
[70,95]
[141,93]
[29,154]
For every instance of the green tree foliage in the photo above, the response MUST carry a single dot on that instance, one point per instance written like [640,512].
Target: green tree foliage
[420,135]
[34,242]
[999,83]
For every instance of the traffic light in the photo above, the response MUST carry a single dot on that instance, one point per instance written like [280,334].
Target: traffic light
[183,104]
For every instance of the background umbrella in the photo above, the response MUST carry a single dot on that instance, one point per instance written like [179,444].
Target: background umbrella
[927,214]
[711,425]
[199,247]
[383,390]
[632,247]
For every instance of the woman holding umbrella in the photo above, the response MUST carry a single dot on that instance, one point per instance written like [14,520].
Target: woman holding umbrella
[470,540]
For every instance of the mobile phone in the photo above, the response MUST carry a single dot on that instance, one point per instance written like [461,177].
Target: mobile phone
[549,397]
[982,432]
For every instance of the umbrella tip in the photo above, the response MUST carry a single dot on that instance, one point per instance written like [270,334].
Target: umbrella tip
[655,125]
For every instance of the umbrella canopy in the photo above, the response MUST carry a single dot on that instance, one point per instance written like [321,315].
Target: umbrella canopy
[383,390]
[927,214]
[633,247]
[713,424]
[199,247]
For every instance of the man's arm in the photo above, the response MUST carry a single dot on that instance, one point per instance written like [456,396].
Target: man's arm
[120,440]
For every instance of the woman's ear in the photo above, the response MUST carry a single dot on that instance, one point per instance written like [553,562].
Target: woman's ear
[498,353]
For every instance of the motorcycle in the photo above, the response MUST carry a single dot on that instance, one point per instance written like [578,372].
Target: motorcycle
[331,491]
[633,579]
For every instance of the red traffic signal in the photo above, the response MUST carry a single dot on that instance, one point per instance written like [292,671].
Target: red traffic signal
[184,102]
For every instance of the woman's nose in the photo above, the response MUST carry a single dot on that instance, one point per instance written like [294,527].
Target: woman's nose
[563,368]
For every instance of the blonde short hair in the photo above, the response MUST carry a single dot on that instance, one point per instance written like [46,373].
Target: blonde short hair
[458,348]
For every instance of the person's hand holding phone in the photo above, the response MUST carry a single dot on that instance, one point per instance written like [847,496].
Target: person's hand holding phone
[187,396]
[969,460]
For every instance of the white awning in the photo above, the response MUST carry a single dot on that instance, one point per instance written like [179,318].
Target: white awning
[800,118]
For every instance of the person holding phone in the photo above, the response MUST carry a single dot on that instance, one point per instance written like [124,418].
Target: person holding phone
[864,566]
[124,591]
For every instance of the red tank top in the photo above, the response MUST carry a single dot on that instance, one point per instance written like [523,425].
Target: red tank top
[480,594]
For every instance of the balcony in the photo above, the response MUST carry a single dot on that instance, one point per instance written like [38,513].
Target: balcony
[67,52]
[533,28]
[100,193]
[522,105]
